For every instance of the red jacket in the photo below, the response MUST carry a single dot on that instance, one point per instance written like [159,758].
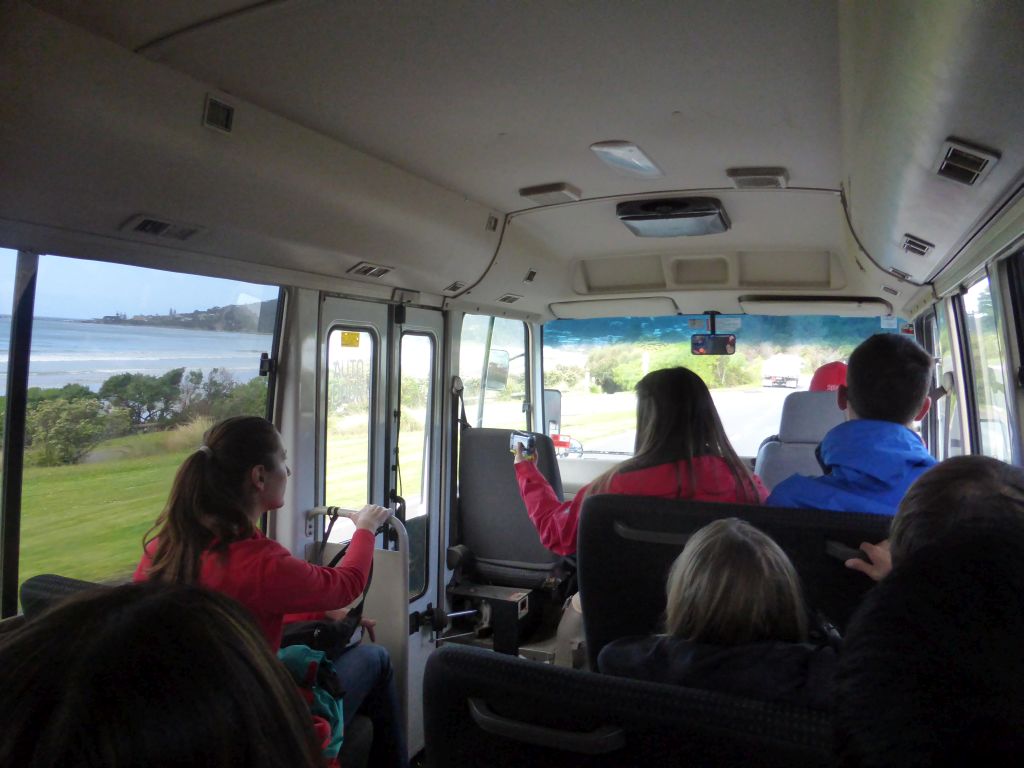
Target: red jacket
[557,522]
[265,578]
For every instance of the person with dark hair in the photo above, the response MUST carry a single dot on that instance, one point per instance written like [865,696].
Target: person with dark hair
[931,672]
[681,452]
[963,494]
[208,535]
[152,675]
[872,458]
[736,623]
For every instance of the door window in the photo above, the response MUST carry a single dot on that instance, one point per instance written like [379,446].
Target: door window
[415,428]
[351,360]
[492,365]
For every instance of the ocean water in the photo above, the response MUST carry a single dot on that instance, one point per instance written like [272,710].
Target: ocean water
[69,351]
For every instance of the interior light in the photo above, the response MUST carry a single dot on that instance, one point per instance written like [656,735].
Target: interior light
[626,157]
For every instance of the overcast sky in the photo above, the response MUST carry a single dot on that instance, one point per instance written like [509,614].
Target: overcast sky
[76,288]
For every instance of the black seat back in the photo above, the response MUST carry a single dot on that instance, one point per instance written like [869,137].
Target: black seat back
[38,593]
[484,708]
[493,522]
[628,543]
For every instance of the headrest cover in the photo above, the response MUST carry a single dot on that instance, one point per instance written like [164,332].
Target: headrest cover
[807,416]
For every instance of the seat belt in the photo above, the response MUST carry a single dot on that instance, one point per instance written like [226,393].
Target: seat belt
[461,423]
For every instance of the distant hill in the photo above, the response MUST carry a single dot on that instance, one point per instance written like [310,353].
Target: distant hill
[257,317]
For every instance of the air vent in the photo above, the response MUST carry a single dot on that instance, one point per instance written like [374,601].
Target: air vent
[916,245]
[218,114]
[530,276]
[492,223]
[899,273]
[151,226]
[366,269]
[965,163]
[759,178]
[890,291]
[455,287]
[509,298]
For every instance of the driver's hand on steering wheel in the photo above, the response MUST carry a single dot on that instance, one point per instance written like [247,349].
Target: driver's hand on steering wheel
[371,517]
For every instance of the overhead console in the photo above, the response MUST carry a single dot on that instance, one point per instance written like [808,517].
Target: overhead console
[797,269]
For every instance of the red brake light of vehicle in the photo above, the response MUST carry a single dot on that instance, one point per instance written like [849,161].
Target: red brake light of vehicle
[561,441]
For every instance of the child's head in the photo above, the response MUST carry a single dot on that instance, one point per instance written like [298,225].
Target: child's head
[153,675]
[733,584]
[888,379]
[964,493]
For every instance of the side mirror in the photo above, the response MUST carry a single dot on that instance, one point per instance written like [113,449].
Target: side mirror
[497,370]
[552,411]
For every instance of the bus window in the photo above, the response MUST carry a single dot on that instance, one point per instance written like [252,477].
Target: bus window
[124,379]
[415,429]
[986,356]
[351,357]
[493,351]
[948,423]
[596,364]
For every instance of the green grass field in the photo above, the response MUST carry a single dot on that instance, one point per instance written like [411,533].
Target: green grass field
[87,521]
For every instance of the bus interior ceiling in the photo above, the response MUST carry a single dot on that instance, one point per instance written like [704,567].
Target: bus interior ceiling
[400,135]
[859,159]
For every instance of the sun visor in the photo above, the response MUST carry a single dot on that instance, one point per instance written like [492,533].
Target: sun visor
[646,307]
[812,305]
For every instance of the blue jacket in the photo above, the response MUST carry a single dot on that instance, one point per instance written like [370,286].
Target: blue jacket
[869,465]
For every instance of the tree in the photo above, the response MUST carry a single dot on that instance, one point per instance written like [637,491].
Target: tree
[149,399]
[218,385]
[249,399]
[63,431]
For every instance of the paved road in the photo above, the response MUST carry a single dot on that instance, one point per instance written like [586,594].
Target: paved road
[749,416]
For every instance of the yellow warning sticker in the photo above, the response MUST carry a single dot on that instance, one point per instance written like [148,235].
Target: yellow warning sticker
[350,338]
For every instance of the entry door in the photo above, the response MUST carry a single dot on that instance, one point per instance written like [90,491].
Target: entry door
[381,399]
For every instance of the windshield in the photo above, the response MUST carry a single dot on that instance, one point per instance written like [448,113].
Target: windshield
[596,364]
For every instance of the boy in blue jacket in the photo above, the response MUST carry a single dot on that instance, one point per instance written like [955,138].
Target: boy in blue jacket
[873,457]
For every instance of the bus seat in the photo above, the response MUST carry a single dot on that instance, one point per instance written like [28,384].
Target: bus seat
[806,418]
[628,543]
[484,708]
[38,593]
[493,523]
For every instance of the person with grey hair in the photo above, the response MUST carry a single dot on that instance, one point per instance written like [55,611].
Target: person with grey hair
[735,623]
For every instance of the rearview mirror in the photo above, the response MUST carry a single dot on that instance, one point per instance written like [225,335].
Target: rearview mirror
[497,370]
[713,344]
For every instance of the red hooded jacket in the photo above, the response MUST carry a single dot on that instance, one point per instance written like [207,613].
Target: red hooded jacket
[557,522]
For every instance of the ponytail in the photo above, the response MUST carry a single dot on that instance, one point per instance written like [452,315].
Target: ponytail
[208,504]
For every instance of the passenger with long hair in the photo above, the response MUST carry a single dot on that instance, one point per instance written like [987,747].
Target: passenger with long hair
[681,452]
[153,675]
[208,535]
[736,623]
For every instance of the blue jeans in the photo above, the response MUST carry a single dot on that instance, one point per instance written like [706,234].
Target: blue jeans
[365,673]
